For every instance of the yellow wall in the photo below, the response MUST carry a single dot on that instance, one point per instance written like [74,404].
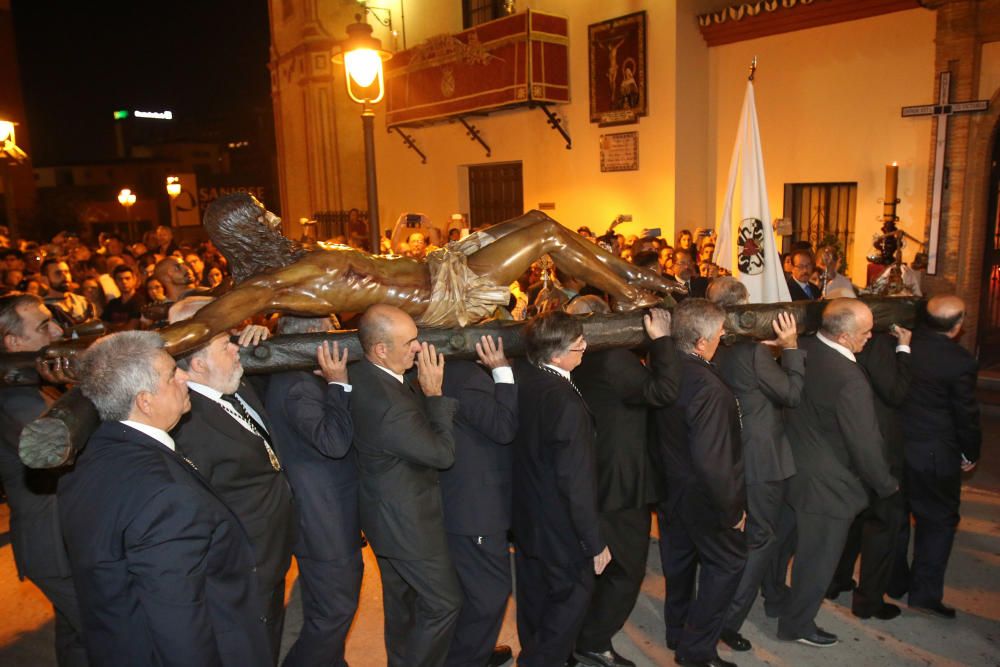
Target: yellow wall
[570,178]
[828,103]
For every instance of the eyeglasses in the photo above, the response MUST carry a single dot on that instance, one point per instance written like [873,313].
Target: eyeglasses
[581,350]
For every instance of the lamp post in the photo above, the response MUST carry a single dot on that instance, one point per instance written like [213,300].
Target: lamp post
[127,198]
[362,57]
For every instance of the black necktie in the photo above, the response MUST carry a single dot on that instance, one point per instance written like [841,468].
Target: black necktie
[255,426]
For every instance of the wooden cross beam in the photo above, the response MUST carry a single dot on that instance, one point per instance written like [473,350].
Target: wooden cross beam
[941,111]
[54,439]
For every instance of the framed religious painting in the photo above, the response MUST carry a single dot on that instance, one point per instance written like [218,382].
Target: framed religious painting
[618,69]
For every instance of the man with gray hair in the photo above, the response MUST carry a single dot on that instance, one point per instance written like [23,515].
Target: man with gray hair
[26,325]
[229,438]
[702,519]
[162,566]
[763,388]
[838,451]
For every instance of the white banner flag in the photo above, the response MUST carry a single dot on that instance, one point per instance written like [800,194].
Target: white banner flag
[749,236]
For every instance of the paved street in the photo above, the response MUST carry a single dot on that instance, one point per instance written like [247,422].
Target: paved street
[973,586]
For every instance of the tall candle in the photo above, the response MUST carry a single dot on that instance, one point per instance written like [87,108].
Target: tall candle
[891,181]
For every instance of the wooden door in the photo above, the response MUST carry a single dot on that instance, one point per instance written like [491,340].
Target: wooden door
[496,193]
[989,311]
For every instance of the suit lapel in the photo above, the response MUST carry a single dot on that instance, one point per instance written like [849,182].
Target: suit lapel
[217,417]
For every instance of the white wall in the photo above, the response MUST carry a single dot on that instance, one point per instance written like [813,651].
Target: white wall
[828,103]
[570,178]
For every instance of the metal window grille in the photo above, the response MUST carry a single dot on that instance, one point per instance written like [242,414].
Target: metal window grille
[819,210]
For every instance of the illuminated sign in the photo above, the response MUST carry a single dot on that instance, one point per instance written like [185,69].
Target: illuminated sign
[158,115]
[121,113]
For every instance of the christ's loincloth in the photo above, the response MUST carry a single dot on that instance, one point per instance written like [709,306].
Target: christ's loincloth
[458,296]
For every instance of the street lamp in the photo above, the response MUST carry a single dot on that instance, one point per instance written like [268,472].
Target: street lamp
[173,186]
[127,198]
[10,153]
[362,57]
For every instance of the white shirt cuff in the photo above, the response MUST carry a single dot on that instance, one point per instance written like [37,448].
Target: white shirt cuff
[903,348]
[347,387]
[503,375]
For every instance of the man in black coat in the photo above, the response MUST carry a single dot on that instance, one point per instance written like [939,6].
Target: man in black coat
[311,418]
[686,271]
[476,498]
[554,518]
[403,438]
[26,325]
[228,437]
[876,531]
[943,437]
[163,567]
[619,390]
[800,285]
[763,388]
[705,510]
[838,453]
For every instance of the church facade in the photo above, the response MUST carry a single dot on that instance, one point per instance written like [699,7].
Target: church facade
[832,79]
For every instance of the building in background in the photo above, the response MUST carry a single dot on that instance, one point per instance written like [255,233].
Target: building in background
[832,79]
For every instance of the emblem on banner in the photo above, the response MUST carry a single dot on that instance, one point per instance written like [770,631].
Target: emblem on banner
[750,242]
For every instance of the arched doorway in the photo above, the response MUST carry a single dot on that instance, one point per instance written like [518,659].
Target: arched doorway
[989,308]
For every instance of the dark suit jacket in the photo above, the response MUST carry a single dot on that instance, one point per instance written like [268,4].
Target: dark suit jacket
[163,569]
[619,391]
[235,463]
[889,374]
[476,490]
[763,388]
[941,414]
[555,483]
[312,427]
[402,439]
[697,289]
[799,294]
[31,494]
[835,438]
[701,450]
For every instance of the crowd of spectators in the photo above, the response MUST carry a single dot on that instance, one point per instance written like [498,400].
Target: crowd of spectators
[113,280]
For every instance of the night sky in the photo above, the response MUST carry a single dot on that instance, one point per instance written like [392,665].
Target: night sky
[79,61]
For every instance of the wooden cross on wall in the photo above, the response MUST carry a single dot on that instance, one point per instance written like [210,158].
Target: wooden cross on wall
[941,111]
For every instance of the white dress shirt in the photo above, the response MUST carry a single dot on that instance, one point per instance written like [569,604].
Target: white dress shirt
[157,434]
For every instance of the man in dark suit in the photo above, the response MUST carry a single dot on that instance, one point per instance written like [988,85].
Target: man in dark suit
[311,419]
[876,531]
[800,285]
[763,388]
[26,325]
[705,510]
[554,517]
[403,437]
[838,453]
[476,498]
[228,437]
[686,271]
[943,437]
[163,568]
[619,390]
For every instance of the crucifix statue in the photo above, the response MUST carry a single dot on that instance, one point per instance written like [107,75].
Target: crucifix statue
[941,110]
